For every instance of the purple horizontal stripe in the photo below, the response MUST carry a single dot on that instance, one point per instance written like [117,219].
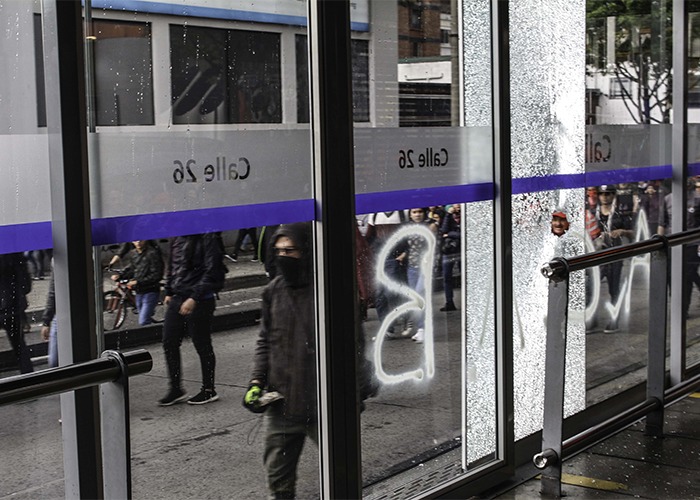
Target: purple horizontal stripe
[164,225]
[638,174]
[572,181]
[33,236]
[550,183]
[411,198]
[25,237]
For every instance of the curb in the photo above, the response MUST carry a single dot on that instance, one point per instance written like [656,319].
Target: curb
[231,283]
[136,337]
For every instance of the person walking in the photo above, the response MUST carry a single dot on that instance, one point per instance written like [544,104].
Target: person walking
[144,275]
[49,322]
[195,273]
[15,284]
[285,359]
[416,254]
[451,249]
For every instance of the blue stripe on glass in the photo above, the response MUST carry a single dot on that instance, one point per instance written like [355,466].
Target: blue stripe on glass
[411,198]
[211,12]
[163,225]
[34,236]
[572,181]
[25,237]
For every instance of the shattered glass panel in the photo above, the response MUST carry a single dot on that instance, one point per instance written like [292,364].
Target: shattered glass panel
[479,227]
[547,96]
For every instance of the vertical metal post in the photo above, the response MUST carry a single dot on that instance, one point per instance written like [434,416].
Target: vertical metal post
[679,160]
[502,178]
[334,177]
[70,209]
[116,433]
[656,362]
[554,377]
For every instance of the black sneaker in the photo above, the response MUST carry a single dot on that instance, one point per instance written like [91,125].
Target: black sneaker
[174,396]
[205,396]
[448,307]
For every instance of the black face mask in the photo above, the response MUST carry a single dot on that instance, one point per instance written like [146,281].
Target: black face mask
[293,270]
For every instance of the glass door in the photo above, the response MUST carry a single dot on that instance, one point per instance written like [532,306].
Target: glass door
[425,243]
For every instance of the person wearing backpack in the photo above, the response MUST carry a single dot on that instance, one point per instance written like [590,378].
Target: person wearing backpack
[195,274]
[15,284]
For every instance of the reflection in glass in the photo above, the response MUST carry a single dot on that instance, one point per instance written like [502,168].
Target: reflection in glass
[31,441]
[433,416]
[359,52]
[123,79]
[225,76]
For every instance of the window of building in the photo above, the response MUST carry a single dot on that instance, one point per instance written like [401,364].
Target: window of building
[225,76]
[123,78]
[416,18]
[445,36]
[360,80]
[619,87]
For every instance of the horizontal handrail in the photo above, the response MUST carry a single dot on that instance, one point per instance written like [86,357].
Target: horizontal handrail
[616,423]
[108,368]
[558,267]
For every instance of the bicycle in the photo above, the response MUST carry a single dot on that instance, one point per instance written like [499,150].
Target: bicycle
[119,299]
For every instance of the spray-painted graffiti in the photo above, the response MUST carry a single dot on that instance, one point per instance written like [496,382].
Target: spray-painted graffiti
[618,311]
[413,303]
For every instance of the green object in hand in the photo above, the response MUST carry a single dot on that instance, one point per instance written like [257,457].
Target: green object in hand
[253,395]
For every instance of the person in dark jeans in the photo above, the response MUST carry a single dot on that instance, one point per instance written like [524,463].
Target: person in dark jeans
[451,251]
[144,275]
[242,233]
[15,283]
[192,280]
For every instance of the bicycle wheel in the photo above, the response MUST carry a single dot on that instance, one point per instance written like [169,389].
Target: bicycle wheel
[111,301]
[121,314]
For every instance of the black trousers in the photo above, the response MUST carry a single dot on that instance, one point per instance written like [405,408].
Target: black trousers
[198,326]
[12,323]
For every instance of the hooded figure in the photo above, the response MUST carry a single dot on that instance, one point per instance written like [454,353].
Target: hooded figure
[285,358]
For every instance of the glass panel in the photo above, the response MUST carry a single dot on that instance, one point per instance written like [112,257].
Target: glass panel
[225,76]
[360,79]
[628,167]
[123,80]
[425,280]
[31,435]
[30,438]
[186,212]
[692,325]
[547,146]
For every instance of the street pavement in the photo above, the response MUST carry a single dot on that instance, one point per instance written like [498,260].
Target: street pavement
[215,450]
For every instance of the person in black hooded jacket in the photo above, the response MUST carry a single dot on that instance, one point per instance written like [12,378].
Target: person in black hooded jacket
[285,358]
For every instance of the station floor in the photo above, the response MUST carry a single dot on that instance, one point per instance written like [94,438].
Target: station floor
[632,465]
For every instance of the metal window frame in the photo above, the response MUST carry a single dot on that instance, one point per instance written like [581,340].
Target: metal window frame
[71,232]
[337,326]
[679,161]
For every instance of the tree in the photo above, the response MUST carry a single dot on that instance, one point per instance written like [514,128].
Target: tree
[642,52]
[641,65]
